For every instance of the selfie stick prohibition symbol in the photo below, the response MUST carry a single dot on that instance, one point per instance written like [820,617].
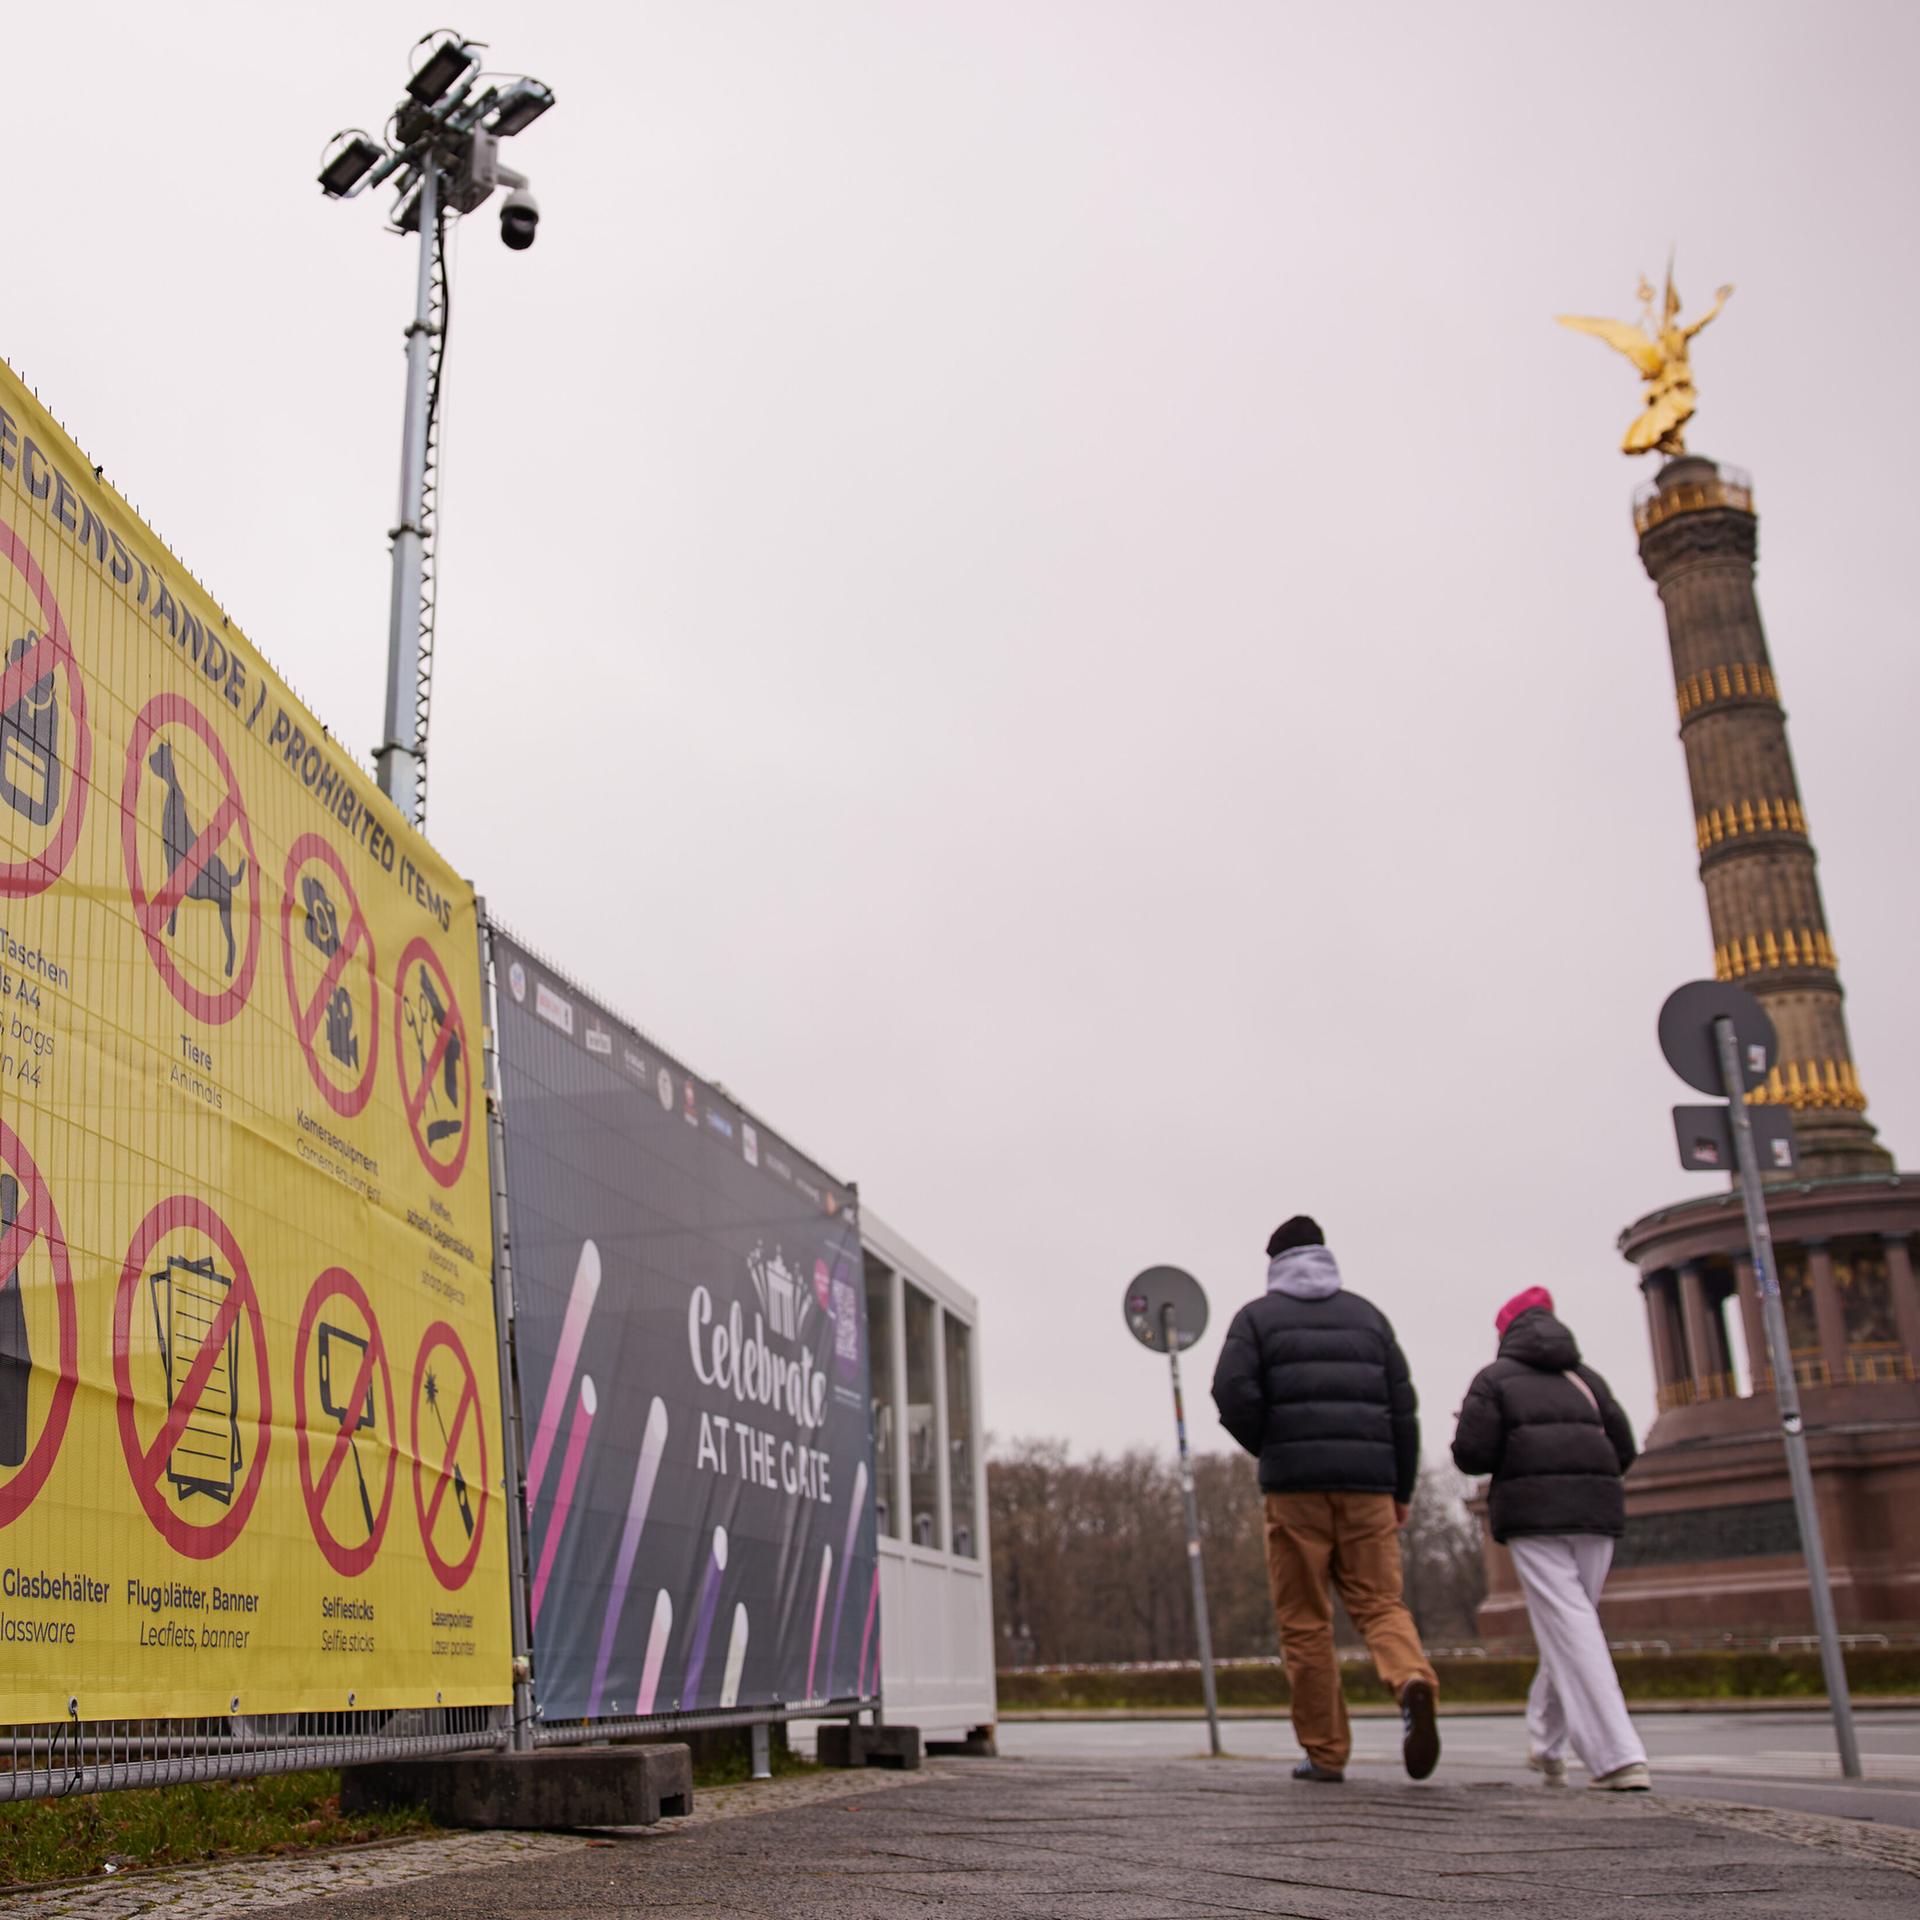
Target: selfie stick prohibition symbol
[1720,1039]
[1166,1310]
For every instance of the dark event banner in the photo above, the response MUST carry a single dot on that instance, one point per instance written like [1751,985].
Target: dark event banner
[691,1333]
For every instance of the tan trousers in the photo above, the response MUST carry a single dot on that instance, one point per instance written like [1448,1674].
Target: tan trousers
[1348,1539]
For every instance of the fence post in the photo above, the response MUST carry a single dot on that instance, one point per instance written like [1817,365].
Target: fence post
[511,1450]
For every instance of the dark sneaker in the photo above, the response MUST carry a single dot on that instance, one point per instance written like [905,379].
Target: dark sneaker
[1327,1776]
[1420,1743]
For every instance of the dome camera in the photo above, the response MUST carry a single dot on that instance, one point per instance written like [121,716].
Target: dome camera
[519,218]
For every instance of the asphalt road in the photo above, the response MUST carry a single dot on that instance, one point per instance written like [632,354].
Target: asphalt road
[1758,1759]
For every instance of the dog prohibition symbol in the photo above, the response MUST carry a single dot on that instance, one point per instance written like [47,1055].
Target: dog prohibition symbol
[213,881]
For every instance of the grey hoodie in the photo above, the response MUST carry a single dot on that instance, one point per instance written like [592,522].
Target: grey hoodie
[1304,1273]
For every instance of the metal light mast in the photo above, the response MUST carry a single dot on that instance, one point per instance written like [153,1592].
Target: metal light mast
[441,148]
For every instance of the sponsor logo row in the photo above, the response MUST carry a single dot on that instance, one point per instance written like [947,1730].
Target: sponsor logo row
[682,1091]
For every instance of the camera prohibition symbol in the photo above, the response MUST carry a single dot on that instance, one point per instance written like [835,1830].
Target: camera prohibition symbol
[1147,1297]
[1686,1034]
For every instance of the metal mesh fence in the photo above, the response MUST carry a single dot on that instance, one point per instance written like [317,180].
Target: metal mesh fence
[92,1756]
[48,1759]
[580,1733]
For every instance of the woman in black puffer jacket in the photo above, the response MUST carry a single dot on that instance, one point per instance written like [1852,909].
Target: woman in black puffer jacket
[1553,1437]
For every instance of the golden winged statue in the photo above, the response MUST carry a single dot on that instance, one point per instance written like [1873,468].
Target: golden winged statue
[1659,350]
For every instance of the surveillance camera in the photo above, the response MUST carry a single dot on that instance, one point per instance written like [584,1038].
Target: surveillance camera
[519,217]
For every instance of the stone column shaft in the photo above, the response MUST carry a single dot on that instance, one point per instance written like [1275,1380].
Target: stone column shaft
[1698,538]
[1702,1347]
[1828,1313]
[1906,1295]
[1668,1367]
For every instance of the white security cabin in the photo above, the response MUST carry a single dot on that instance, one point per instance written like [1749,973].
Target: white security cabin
[930,1490]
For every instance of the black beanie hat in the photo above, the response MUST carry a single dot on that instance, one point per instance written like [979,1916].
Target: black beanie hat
[1297,1232]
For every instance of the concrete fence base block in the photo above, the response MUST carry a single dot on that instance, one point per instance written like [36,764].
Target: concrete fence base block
[547,1791]
[842,1745]
[980,1743]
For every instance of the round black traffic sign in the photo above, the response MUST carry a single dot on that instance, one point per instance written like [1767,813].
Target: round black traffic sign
[1147,1299]
[1686,1034]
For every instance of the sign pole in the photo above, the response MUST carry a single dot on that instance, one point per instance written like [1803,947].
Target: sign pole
[1205,1631]
[1787,1391]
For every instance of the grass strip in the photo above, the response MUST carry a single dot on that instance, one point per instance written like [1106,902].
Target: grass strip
[81,1835]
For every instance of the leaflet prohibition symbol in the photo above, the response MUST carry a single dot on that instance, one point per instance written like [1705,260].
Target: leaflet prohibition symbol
[29,1231]
[194,821]
[338,1355]
[317,896]
[46,756]
[185,1274]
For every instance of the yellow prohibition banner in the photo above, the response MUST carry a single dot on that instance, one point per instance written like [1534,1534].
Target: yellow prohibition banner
[250,1438]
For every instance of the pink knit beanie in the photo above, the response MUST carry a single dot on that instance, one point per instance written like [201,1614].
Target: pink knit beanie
[1522,1303]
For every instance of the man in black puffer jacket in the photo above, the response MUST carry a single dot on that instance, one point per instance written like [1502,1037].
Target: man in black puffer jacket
[1556,1443]
[1312,1382]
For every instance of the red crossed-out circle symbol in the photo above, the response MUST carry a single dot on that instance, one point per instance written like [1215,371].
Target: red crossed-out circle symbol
[17,683]
[450,1429]
[232,1295]
[310,1015]
[34,1221]
[192,856]
[429,1009]
[338,1430]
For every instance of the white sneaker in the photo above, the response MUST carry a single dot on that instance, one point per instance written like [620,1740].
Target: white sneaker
[1551,1766]
[1634,1777]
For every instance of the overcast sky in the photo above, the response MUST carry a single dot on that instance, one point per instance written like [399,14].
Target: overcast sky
[1033,587]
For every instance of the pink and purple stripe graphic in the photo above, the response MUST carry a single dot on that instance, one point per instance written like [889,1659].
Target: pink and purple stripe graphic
[867,1638]
[578,1428]
[652,1445]
[736,1657]
[703,1621]
[819,1614]
[856,1509]
[566,1356]
[657,1637]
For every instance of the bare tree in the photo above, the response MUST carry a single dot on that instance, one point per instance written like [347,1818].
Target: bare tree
[1446,1572]
[1089,1556]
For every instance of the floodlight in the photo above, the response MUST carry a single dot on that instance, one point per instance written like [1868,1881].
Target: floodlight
[347,165]
[441,71]
[520,106]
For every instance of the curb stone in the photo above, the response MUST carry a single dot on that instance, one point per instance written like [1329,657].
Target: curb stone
[1861,1839]
[251,1885]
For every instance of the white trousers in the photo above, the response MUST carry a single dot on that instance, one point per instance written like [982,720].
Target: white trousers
[1576,1698]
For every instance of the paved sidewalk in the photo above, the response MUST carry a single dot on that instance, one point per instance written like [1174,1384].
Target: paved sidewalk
[254,1885]
[1187,1838]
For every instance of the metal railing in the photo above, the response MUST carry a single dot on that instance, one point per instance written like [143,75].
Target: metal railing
[1880,1363]
[1727,487]
[1696,1391]
[1873,1363]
